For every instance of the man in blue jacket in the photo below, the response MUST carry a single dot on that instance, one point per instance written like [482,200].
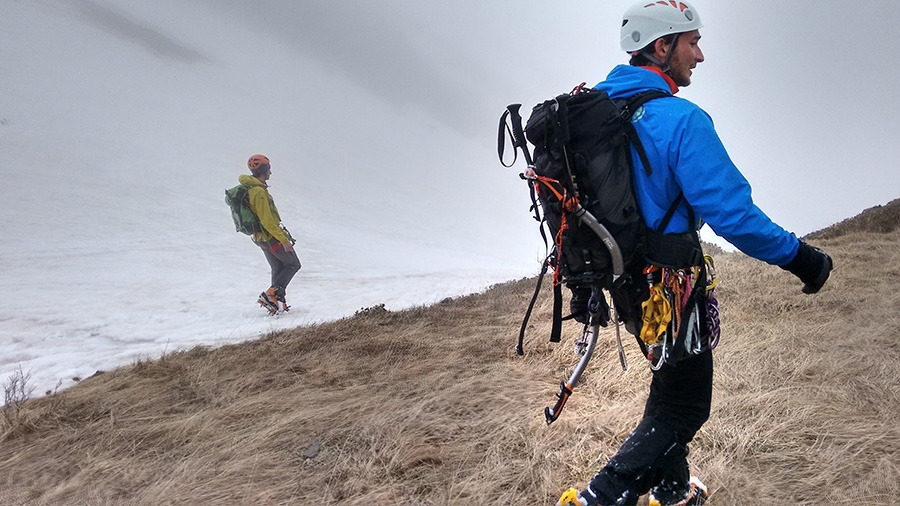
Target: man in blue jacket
[687,157]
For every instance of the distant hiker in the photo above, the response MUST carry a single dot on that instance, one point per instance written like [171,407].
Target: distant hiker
[687,158]
[273,238]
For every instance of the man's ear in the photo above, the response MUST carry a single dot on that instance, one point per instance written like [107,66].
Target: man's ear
[661,48]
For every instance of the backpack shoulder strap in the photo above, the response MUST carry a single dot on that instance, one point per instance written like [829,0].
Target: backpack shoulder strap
[671,212]
[634,102]
[631,105]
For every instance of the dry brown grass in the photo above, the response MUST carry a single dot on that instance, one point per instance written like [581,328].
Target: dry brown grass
[430,406]
[878,219]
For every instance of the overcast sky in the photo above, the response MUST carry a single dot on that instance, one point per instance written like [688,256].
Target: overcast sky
[800,91]
[372,102]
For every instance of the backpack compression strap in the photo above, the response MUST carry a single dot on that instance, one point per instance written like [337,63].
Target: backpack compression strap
[552,257]
[548,259]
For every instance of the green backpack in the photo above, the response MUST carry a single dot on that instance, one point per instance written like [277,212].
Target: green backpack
[238,199]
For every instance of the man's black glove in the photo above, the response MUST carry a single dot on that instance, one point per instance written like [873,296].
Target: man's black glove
[812,266]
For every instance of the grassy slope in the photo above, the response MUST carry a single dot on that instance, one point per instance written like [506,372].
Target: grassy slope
[431,406]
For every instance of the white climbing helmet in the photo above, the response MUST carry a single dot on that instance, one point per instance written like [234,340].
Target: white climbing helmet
[649,20]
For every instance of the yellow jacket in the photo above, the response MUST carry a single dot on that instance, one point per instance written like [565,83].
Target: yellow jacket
[263,206]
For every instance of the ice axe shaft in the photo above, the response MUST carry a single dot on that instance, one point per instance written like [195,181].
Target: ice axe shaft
[566,387]
[608,240]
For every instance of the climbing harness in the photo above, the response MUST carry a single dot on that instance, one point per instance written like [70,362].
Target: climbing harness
[677,321]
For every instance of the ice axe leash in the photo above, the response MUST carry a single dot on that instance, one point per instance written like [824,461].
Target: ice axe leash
[619,346]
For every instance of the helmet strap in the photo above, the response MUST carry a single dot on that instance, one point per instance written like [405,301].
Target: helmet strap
[664,65]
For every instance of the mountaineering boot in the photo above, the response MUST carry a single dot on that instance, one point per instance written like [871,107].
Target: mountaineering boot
[573,497]
[269,300]
[695,496]
[280,303]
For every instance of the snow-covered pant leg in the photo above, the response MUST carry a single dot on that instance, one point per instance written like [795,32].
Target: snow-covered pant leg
[284,265]
[656,451]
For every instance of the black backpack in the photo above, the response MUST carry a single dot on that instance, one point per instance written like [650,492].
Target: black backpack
[581,181]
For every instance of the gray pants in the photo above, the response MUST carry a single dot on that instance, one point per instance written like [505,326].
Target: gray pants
[284,265]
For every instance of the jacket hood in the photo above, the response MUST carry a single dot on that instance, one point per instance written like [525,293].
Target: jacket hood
[251,181]
[625,81]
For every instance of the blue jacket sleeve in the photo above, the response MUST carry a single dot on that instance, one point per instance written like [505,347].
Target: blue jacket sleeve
[720,194]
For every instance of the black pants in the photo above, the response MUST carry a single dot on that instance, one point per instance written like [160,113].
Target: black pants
[655,454]
[284,265]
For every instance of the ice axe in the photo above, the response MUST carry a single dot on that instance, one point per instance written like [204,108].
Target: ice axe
[515,131]
[589,338]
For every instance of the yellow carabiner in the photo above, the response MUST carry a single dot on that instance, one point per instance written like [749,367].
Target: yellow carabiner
[656,314]
[711,279]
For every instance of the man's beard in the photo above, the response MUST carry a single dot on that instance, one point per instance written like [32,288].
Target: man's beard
[682,79]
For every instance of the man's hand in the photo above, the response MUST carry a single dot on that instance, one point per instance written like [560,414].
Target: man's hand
[812,266]
[288,246]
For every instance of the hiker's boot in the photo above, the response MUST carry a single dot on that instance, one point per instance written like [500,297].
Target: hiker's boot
[279,298]
[282,304]
[695,496]
[573,497]
[269,300]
